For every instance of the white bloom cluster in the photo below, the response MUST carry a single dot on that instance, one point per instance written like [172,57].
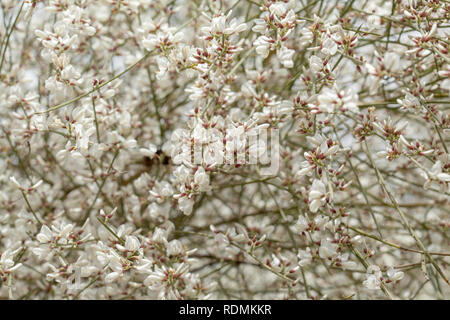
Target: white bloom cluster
[136,139]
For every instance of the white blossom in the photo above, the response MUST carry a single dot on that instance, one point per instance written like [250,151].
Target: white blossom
[214,149]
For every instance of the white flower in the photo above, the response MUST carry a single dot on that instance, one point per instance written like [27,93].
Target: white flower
[372,282]
[394,275]
[156,279]
[129,144]
[186,205]
[235,27]
[285,56]
[149,152]
[159,236]
[262,44]
[307,169]
[306,36]
[305,257]
[260,26]
[36,185]
[7,264]
[437,174]
[329,47]
[409,101]
[83,136]
[6,259]
[45,235]
[302,224]
[69,73]
[201,178]
[278,8]
[164,66]
[327,249]
[120,118]
[317,195]
[111,277]
[320,221]
[315,63]
[15,182]
[332,100]
[391,62]
[132,243]
[219,25]
[174,248]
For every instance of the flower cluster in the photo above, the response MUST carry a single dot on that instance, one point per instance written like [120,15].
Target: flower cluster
[258,149]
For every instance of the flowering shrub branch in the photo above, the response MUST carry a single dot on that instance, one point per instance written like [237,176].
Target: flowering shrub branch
[254,149]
